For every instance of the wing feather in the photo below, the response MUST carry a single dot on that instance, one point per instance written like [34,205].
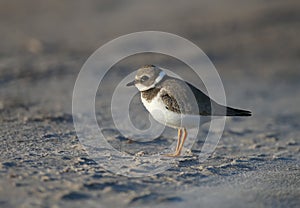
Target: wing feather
[170,102]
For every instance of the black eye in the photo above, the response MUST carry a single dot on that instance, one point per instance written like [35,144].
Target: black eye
[144,78]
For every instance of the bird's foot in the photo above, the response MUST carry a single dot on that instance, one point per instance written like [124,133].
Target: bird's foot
[175,154]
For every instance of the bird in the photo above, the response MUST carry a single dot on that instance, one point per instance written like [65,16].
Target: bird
[177,103]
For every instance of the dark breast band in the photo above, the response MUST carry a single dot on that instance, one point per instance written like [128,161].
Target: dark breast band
[150,94]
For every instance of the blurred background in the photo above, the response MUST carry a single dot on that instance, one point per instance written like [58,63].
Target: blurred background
[45,43]
[254,45]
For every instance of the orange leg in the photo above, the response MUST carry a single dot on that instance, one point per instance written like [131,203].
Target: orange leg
[179,138]
[180,143]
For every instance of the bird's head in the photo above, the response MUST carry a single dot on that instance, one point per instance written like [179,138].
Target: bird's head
[147,77]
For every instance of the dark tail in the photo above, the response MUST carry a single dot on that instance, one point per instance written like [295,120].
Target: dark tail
[237,112]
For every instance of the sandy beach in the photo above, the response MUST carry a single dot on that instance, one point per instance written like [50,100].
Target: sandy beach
[255,48]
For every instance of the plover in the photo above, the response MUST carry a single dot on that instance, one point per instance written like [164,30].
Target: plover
[176,103]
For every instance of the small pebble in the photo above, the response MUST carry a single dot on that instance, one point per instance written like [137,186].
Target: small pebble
[139,154]
[45,178]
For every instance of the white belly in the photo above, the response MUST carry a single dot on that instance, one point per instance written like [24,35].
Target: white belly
[169,118]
